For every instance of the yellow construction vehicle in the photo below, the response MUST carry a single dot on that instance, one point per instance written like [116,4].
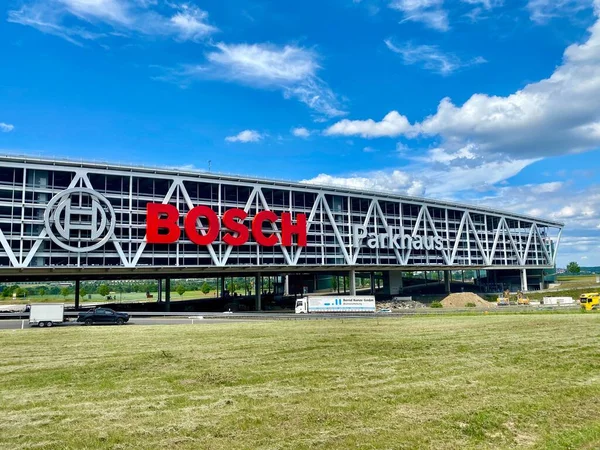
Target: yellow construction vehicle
[521,299]
[505,299]
[590,301]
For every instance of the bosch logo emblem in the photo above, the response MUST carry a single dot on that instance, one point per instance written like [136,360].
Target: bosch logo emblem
[79,220]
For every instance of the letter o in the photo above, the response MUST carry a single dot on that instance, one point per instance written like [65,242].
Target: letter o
[213,225]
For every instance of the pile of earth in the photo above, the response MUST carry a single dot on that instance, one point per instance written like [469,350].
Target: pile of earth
[400,304]
[460,300]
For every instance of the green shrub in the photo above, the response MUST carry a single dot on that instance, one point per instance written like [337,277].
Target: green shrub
[437,305]
[470,305]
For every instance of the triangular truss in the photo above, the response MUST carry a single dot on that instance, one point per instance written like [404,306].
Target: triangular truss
[469,238]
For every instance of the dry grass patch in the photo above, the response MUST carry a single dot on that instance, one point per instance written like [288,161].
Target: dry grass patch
[421,382]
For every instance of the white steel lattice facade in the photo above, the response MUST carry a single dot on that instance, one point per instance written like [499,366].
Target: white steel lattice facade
[106,230]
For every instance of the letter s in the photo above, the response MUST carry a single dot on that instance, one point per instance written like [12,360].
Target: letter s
[439,243]
[238,227]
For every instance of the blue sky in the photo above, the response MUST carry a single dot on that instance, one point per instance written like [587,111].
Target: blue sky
[490,102]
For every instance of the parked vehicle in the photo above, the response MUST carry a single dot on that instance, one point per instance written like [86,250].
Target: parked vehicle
[336,304]
[102,315]
[46,314]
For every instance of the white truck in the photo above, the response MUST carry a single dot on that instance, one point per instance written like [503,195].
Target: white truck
[46,314]
[336,304]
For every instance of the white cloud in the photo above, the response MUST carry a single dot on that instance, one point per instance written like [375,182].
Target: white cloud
[439,175]
[263,64]
[74,20]
[547,188]
[191,24]
[301,132]
[395,181]
[245,136]
[392,125]
[428,12]
[487,4]
[557,115]
[441,155]
[543,10]
[6,127]
[369,149]
[290,69]
[114,11]
[431,57]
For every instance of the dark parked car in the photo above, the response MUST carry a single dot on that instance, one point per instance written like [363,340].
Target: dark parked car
[102,315]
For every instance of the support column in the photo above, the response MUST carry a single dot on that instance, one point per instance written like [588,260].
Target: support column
[167,294]
[286,285]
[257,289]
[159,293]
[372,282]
[77,291]
[447,277]
[222,281]
[352,281]
[393,282]
[524,280]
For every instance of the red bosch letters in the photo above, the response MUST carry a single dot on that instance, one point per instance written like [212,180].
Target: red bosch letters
[202,226]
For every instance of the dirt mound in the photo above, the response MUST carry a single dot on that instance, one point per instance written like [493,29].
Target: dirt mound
[460,300]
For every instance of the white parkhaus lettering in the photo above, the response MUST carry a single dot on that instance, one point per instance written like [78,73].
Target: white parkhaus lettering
[394,239]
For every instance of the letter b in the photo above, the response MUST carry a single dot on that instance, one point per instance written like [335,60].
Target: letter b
[159,218]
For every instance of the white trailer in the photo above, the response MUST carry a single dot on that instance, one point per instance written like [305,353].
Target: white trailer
[46,314]
[336,304]
[559,301]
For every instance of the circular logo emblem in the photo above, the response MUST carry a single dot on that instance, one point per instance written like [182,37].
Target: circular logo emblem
[79,220]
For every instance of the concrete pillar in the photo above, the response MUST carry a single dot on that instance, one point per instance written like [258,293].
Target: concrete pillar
[286,285]
[447,280]
[77,291]
[524,280]
[257,289]
[352,282]
[222,281]
[167,294]
[395,282]
[462,275]
[159,293]
[372,283]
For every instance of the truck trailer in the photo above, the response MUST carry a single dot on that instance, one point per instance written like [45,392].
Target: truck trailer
[336,304]
[46,314]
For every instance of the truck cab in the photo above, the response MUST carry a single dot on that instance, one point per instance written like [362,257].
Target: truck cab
[590,301]
[301,306]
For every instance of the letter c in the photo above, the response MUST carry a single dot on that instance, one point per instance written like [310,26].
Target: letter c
[257,224]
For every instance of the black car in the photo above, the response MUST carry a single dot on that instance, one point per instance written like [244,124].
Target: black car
[102,315]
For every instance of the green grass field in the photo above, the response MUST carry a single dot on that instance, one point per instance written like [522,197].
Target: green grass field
[484,381]
[576,281]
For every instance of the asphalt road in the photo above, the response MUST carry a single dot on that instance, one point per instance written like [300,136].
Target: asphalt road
[18,324]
